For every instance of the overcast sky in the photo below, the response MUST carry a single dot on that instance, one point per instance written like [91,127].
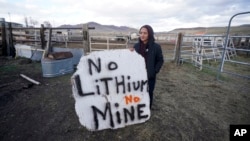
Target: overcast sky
[162,15]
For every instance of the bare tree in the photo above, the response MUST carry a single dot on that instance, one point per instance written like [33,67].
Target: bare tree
[30,22]
[33,22]
[26,22]
[47,24]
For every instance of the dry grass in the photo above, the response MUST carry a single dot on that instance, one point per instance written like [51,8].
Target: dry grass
[188,105]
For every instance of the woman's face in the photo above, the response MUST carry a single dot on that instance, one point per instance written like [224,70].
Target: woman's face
[144,35]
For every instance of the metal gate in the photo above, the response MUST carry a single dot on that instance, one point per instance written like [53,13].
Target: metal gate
[245,48]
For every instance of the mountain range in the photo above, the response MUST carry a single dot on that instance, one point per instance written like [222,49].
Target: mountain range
[104,28]
[241,29]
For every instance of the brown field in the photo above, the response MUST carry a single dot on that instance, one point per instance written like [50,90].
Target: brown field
[188,105]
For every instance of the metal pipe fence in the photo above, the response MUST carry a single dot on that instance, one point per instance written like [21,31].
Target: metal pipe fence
[207,52]
[97,43]
[226,46]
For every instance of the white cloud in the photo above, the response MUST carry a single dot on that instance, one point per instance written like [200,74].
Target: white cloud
[161,14]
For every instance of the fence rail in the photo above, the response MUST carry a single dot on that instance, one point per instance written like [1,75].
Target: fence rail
[39,37]
[107,42]
[201,51]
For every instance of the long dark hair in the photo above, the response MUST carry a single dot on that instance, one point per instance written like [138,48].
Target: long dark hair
[151,38]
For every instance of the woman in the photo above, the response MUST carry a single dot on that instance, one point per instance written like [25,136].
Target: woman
[152,54]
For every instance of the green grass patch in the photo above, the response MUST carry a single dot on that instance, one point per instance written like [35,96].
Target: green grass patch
[8,69]
[207,71]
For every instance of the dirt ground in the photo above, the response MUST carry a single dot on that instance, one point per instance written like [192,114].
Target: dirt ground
[188,105]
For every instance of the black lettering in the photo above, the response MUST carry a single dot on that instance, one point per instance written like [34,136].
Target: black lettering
[136,87]
[97,88]
[140,111]
[118,115]
[92,63]
[128,84]
[96,111]
[131,114]
[144,82]
[105,80]
[121,83]
[79,87]
[112,66]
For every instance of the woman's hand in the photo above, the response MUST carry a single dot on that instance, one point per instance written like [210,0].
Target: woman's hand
[131,48]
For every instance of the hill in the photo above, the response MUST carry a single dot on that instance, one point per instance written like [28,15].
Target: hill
[104,28]
[240,30]
[99,28]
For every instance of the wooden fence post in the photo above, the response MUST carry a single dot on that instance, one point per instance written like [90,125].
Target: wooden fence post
[48,47]
[42,36]
[85,34]
[86,38]
[11,44]
[4,43]
[178,49]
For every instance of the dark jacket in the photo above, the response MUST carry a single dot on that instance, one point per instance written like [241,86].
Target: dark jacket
[154,58]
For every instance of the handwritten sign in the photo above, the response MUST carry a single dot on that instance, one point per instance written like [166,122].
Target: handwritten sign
[110,90]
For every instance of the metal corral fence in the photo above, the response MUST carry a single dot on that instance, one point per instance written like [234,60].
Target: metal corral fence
[223,54]
[97,43]
[168,42]
[42,39]
[207,51]
[196,49]
[245,48]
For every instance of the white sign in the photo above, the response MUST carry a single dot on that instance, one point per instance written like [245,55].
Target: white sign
[110,89]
